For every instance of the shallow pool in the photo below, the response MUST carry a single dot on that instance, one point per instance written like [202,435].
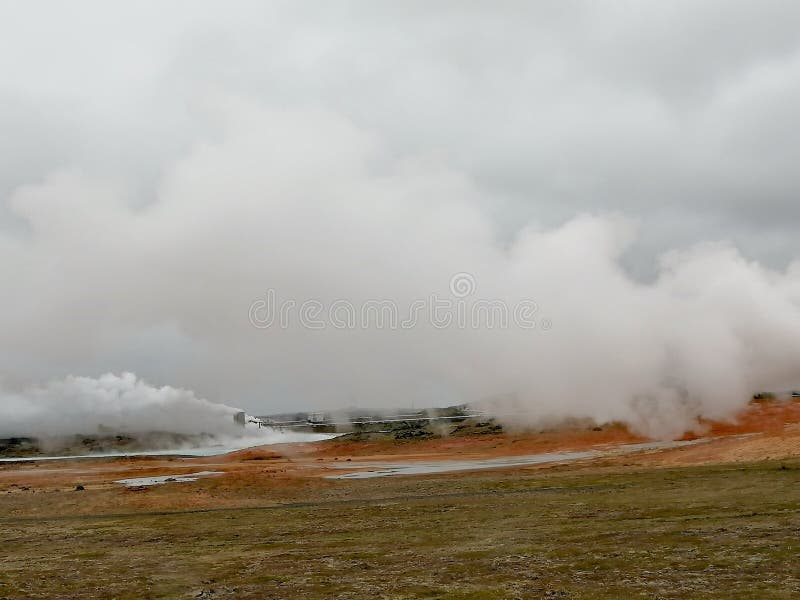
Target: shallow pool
[391,469]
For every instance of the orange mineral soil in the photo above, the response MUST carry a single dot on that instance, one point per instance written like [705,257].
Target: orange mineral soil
[279,473]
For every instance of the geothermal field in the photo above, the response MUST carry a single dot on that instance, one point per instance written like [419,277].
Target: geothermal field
[472,512]
[309,299]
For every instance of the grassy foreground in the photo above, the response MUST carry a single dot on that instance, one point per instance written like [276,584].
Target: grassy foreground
[698,532]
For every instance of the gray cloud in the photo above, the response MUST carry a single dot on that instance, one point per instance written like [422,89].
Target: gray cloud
[163,165]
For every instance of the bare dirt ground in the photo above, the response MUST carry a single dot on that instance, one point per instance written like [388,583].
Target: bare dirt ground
[719,519]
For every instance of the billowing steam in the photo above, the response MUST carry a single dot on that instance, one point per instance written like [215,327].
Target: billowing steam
[110,404]
[308,205]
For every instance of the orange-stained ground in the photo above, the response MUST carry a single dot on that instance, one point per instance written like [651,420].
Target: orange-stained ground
[273,474]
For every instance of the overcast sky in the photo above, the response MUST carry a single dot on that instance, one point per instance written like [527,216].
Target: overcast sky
[139,142]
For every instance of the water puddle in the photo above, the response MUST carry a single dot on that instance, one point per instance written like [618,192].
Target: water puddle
[391,469]
[162,479]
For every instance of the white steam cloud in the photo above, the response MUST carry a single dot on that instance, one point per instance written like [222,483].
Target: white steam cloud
[110,403]
[305,203]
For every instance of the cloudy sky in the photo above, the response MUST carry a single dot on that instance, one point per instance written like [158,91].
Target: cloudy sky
[163,164]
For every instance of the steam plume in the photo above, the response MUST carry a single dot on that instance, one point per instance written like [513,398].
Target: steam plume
[118,404]
[305,203]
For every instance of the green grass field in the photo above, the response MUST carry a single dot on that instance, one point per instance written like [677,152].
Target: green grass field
[700,532]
